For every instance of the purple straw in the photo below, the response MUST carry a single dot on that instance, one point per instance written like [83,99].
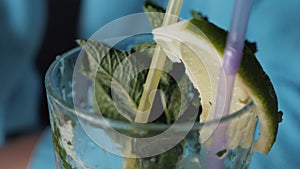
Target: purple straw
[231,63]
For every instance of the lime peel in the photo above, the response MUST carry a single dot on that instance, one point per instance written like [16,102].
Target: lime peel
[251,76]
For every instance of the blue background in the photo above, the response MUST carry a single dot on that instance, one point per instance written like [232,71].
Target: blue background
[274,25]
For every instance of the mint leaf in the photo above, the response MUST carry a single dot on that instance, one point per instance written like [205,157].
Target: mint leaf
[153,11]
[105,61]
[59,149]
[198,15]
[106,104]
[117,70]
[165,160]
[178,97]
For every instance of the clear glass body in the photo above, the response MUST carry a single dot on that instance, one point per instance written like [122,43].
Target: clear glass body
[74,147]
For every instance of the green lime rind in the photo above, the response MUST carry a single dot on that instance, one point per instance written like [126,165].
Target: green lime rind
[256,82]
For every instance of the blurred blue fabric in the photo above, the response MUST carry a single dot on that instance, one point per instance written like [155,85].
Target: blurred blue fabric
[274,25]
[22,25]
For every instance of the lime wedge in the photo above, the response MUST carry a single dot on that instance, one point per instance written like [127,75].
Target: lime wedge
[199,45]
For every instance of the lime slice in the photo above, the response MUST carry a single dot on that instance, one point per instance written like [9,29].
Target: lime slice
[200,45]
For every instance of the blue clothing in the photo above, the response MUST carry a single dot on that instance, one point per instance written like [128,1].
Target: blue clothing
[274,25]
[22,24]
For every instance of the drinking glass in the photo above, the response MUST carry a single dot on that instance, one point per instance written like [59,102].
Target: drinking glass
[82,140]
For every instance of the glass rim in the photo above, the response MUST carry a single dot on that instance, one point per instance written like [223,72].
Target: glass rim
[92,119]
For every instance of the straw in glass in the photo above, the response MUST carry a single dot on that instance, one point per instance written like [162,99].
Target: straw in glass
[156,67]
[231,63]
